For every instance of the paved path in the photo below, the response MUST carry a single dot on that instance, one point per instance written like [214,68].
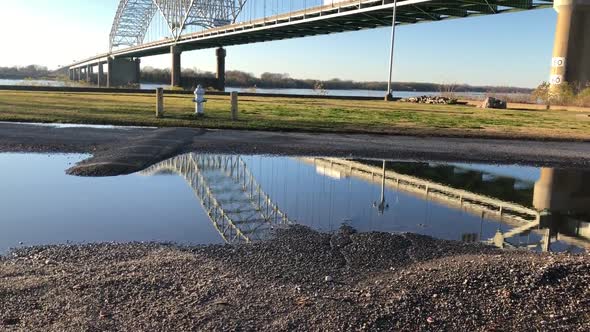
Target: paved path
[122,151]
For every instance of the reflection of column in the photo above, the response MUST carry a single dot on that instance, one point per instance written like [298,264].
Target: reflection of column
[562,190]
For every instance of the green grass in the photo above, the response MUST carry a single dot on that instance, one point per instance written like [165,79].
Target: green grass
[321,115]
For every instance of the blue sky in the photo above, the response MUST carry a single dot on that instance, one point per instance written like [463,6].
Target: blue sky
[508,49]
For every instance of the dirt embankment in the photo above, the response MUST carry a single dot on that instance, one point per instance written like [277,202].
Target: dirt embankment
[302,280]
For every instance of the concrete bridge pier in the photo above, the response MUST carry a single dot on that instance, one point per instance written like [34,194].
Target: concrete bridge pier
[89,74]
[176,70]
[571,50]
[137,70]
[78,74]
[221,54]
[122,72]
[100,79]
[71,73]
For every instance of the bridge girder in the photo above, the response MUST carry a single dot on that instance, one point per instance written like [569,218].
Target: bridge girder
[134,17]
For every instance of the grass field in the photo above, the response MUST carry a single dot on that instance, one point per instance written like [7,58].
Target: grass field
[321,115]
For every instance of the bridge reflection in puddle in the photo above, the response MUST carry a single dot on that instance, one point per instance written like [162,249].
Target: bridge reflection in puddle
[238,199]
[234,202]
[448,201]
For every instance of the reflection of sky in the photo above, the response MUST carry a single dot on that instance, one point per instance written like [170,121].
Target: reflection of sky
[74,125]
[518,172]
[42,205]
[324,202]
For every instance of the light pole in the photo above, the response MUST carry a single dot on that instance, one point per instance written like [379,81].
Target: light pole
[389,95]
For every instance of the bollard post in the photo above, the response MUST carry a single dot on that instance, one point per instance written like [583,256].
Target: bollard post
[159,102]
[234,105]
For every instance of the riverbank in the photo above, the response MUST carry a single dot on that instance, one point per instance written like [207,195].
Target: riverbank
[298,114]
[302,280]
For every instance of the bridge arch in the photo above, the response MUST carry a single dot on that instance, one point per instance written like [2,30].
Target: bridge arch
[235,203]
[133,17]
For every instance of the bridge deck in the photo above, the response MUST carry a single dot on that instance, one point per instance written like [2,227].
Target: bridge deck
[333,18]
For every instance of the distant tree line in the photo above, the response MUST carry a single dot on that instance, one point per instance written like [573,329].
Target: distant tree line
[32,71]
[240,79]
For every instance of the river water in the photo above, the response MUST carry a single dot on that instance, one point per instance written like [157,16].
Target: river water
[349,93]
[213,199]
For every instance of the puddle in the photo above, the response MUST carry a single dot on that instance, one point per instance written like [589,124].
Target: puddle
[209,199]
[73,125]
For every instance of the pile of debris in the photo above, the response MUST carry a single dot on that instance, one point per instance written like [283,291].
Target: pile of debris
[431,100]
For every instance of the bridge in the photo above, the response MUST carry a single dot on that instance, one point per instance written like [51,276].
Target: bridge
[238,208]
[242,212]
[222,23]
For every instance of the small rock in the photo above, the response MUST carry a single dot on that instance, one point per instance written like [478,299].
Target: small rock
[430,320]
[328,279]
[10,321]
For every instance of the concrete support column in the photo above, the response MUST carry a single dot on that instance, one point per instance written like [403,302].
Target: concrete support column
[137,70]
[100,79]
[71,72]
[78,73]
[176,69]
[571,49]
[122,72]
[110,73]
[221,54]
[89,73]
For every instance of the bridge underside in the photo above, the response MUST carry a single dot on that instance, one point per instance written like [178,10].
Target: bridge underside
[336,18]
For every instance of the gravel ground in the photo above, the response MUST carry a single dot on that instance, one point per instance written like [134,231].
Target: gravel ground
[301,280]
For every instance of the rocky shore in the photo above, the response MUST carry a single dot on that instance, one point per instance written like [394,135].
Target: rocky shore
[440,100]
[302,280]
